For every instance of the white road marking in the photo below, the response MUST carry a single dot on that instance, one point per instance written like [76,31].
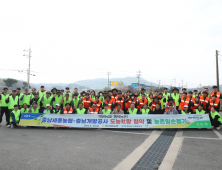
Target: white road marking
[133,158]
[201,138]
[217,133]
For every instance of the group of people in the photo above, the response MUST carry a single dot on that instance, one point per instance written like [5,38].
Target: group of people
[109,102]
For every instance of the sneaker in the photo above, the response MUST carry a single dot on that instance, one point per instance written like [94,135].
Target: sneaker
[8,126]
[12,126]
[218,128]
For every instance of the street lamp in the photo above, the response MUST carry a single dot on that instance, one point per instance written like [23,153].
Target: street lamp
[29,56]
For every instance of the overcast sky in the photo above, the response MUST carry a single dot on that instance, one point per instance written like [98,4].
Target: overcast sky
[75,40]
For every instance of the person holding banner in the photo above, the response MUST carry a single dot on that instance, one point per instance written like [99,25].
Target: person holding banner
[171,110]
[81,110]
[24,108]
[34,108]
[215,118]
[94,110]
[15,116]
[186,110]
[157,109]
[68,109]
[200,110]
[145,109]
[118,110]
[106,110]
[132,110]
[57,109]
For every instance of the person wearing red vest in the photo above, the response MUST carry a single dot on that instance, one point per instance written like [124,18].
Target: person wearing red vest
[154,102]
[215,92]
[68,109]
[169,102]
[109,102]
[94,110]
[184,100]
[205,100]
[114,95]
[141,102]
[120,100]
[131,99]
[98,102]
[214,102]
[87,101]
[193,105]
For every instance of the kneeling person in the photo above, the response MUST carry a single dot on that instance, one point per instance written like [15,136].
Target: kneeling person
[34,108]
[57,109]
[132,110]
[68,109]
[81,110]
[15,116]
[215,118]
[145,109]
[106,110]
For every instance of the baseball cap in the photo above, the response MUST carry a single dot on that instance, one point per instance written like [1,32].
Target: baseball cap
[185,106]
[47,105]
[57,104]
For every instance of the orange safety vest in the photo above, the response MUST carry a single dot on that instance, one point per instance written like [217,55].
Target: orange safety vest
[94,112]
[127,105]
[68,112]
[216,103]
[86,102]
[183,103]
[113,98]
[154,105]
[217,94]
[98,104]
[141,103]
[109,104]
[204,101]
[120,102]
[168,104]
[195,105]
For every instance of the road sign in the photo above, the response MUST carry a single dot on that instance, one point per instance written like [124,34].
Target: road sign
[134,85]
[114,83]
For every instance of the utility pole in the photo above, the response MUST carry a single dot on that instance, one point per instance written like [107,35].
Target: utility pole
[182,84]
[138,76]
[29,56]
[159,83]
[108,79]
[217,69]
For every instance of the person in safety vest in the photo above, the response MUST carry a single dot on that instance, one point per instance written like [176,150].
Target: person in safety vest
[57,109]
[87,102]
[160,96]
[169,102]
[190,95]
[118,110]
[114,94]
[184,100]
[157,109]
[171,109]
[186,110]
[19,94]
[166,95]
[150,99]
[214,102]
[205,101]
[109,102]
[94,110]
[57,99]
[66,99]
[46,100]
[156,93]
[142,92]
[62,93]
[76,92]
[75,101]
[132,110]
[145,110]
[83,93]
[194,104]
[215,118]
[67,91]
[110,92]
[207,90]
[24,108]
[128,94]
[183,90]
[101,97]
[200,110]
[195,93]
[106,110]
[34,108]
[154,102]
[93,94]
[176,96]
[33,92]
[15,116]
[140,104]
[216,92]
[98,103]
[81,110]
[37,100]
[131,99]
[42,91]
[48,109]
[120,100]
[53,92]
[12,100]
[26,97]
[68,109]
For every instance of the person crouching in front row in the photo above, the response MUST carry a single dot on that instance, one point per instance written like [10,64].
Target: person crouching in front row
[215,118]
[15,116]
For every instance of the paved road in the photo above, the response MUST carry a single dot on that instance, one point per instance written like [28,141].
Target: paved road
[58,149]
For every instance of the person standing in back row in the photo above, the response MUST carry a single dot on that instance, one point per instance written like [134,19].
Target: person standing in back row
[4,106]
[176,97]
